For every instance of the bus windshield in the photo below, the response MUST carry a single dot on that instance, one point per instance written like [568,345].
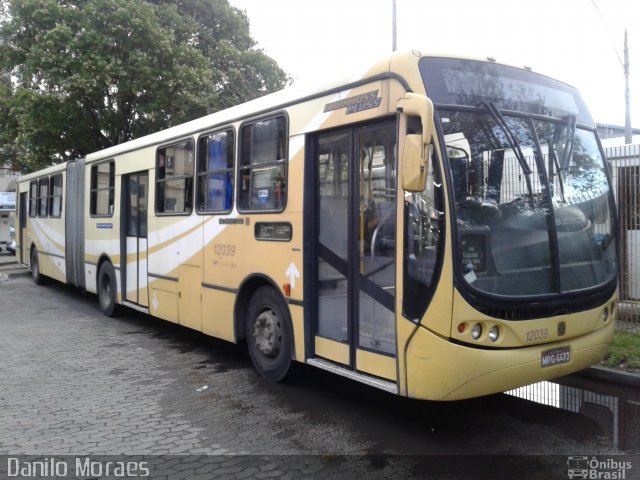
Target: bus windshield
[532,199]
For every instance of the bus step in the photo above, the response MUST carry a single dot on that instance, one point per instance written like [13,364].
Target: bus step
[135,306]
[370,380]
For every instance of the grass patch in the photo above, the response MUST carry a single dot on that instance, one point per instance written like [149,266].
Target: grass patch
[624,351]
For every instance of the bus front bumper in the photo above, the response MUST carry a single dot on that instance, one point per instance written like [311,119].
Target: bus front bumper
[438,369]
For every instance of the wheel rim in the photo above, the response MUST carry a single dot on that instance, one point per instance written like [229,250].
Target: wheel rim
[267,333]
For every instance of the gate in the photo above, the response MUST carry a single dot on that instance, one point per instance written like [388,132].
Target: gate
[625,170]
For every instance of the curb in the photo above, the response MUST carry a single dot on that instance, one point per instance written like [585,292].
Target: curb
[10,268]
[24,273]
[610,375]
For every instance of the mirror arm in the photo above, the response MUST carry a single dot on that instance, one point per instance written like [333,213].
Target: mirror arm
[416,105]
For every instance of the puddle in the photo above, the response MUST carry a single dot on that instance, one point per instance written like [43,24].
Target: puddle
[614,407]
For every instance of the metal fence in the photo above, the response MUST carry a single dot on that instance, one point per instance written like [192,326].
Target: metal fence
[625,171]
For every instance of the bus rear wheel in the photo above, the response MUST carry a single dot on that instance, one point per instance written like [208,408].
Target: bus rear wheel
[269,334]
[107,288]
[37,277]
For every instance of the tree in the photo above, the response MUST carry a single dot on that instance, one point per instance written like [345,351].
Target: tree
[89,74]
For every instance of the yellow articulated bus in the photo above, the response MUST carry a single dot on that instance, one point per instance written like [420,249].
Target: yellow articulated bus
[440,228]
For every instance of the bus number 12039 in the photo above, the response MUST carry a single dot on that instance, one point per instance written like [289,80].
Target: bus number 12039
[225,249]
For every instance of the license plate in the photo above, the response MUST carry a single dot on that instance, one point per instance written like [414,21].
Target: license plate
[556,356]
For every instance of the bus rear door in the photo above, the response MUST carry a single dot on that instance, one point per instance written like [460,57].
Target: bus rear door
[135,206]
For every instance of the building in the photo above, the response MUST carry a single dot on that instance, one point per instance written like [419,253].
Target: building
[7,203]
[613,135]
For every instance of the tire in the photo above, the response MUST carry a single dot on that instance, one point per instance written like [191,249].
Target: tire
[37,277]
[269,334]
[107,290]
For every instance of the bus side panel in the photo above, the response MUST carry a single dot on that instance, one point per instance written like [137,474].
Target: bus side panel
[189,295]
[163,299]
[217,313]
[233,254]
[174,259]
[51,258]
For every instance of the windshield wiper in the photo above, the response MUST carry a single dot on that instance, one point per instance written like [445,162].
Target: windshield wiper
[553,160]
[554,248]
[515,146]
[568,144]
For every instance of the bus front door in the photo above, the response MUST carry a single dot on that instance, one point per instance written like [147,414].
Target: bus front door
[136,192]
[355,248]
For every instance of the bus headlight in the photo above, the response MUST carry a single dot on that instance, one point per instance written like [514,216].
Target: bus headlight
[494,333]
[605,314]
[476,331]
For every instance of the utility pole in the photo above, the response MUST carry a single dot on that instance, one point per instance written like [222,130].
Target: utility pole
[627,93]
[394,40]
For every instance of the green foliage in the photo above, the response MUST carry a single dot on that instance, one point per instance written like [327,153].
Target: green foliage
[624,351]
[89,74]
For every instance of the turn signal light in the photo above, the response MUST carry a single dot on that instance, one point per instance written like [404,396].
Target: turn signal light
[286,288]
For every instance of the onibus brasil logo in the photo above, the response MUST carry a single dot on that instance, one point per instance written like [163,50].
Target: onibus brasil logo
[597,469]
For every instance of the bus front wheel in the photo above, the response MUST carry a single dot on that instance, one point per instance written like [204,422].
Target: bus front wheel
[107,288]
[269,334]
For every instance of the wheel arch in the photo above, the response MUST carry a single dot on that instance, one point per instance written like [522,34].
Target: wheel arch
[247,289]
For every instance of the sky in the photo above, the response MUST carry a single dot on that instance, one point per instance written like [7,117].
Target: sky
[572,40]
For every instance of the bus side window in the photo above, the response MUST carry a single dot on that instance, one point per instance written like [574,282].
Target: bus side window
[215,172]
[263,165]
[55,196]
[33,199]
[43,197]
[102,189]
[174,178]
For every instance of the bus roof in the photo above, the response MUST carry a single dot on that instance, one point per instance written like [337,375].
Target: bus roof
[59,167]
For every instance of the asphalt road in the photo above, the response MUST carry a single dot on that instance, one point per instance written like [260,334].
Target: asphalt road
[73,382]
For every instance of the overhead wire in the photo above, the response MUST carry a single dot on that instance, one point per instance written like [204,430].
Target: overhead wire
[606,28]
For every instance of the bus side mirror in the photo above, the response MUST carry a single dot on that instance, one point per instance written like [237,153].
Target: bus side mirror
[415,149]
[414,165]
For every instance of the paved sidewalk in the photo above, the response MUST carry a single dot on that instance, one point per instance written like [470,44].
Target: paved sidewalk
[5,258]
